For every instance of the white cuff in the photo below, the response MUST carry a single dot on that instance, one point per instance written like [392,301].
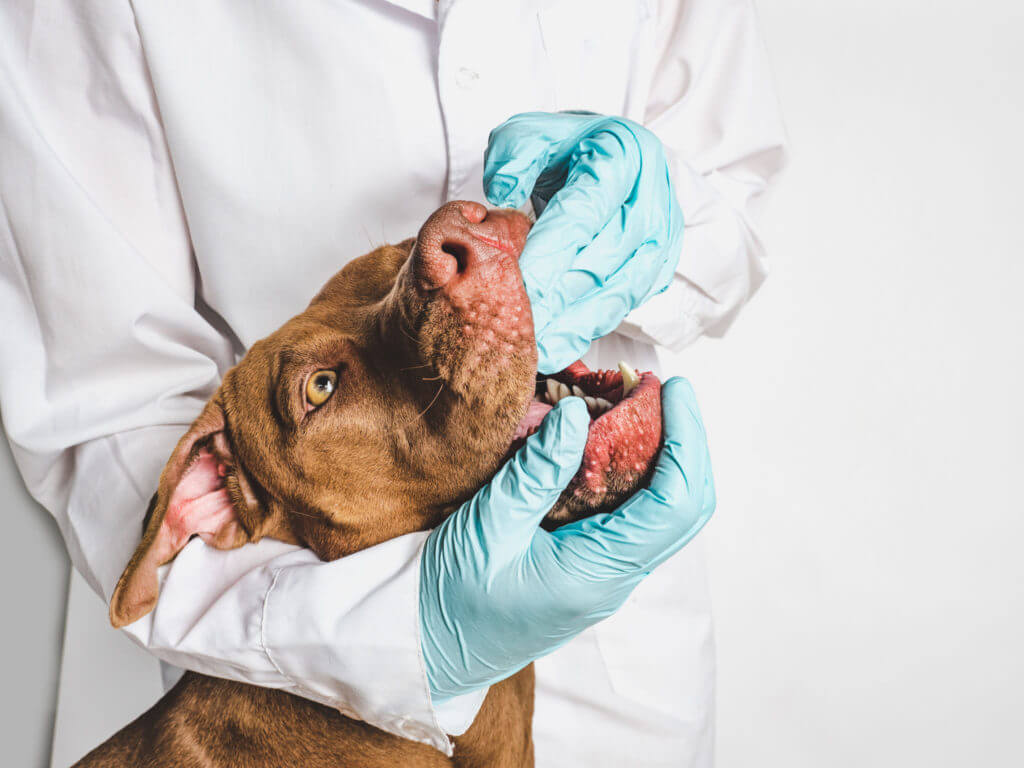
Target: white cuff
[343,633]
[359,651]
[670,319]
[721,263]
[456,714]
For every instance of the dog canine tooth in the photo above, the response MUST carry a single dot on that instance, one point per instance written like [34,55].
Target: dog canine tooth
[592,405]
[603,404]
[629,378]
[578,392]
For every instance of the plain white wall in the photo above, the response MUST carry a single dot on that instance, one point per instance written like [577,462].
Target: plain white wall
[33,586]
[865,416]
[866,410]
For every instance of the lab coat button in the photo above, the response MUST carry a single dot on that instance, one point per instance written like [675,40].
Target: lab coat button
[466,77]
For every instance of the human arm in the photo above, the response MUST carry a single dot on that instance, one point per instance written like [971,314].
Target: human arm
[109,354]
[713,104]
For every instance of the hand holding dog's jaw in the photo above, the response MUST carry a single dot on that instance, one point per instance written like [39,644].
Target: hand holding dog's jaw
[497,593]
[384,405]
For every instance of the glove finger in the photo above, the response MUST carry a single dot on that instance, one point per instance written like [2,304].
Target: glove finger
[521,149]
[650,224]
[510,183]
[558,350]
[568,336]
[586,308]
[657,521]
[602,174]
[579,242]
[506,513]
[607,253]
[667,221]
[582,295]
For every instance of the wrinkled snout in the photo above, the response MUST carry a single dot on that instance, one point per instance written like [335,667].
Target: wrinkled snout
[464,248]
[466,302]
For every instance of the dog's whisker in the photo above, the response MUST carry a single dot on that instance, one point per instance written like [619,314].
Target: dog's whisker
[429,405]
[407,334]
[373,245]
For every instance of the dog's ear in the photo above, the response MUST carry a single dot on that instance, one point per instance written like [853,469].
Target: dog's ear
[204,491]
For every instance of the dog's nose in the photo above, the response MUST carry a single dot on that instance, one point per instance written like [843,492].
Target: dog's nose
[461,237]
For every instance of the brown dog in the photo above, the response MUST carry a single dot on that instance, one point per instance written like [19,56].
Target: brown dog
[389,401]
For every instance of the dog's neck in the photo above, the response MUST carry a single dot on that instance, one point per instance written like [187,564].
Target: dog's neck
[502,733]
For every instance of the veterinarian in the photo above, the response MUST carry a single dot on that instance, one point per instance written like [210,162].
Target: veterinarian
[179,178]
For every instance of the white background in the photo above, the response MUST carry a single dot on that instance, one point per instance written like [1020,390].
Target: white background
[867,556]
[865,412]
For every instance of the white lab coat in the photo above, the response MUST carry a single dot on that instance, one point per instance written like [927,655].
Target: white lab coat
[179,178]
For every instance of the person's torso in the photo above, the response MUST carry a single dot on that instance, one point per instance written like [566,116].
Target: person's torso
[305,134]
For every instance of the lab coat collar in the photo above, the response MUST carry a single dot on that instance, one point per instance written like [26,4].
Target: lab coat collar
[428,9]
[438,9]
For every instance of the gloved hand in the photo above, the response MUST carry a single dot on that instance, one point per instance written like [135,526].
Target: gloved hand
[497,591]
[611,229]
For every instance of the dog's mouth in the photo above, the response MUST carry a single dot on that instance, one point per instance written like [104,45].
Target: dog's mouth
[467,257]
[623,439]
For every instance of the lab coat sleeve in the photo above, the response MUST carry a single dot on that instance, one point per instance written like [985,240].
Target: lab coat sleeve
[712,103]
[107,356]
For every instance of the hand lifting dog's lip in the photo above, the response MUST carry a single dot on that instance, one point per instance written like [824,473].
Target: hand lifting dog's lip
[624,405]
[390,400]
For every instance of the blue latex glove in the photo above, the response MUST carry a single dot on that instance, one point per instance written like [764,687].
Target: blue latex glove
[497,591]
[611,229]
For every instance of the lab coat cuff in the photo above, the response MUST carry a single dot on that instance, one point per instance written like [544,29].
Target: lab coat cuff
[456,714]
[721,262]
[357,647]
[715,245]
[670,319]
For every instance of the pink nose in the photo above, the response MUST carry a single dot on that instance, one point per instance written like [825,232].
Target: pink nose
[462,240]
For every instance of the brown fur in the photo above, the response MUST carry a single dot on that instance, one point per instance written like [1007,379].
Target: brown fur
[205,722]
[421,418]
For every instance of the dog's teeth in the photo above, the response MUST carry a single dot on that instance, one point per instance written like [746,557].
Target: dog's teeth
[556,390]
[629,378]
[552,393]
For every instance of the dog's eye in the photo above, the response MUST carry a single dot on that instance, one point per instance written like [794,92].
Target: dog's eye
[320,387]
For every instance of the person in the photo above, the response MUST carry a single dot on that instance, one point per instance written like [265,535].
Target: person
[178,179]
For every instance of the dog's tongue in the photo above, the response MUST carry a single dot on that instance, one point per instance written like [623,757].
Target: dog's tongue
[624,436]
[535,414]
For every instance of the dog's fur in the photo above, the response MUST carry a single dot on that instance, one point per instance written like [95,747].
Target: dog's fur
[432,342]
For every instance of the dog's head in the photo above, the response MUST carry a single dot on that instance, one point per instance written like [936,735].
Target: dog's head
[390,400]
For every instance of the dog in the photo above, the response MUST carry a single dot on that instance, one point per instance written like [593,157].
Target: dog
[399,391]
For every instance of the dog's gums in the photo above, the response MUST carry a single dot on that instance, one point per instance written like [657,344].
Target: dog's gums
[623,438]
